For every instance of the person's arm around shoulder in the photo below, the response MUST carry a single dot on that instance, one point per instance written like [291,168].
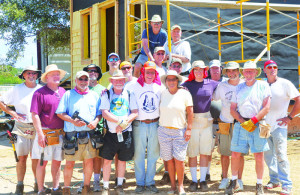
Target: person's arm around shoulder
[190,114]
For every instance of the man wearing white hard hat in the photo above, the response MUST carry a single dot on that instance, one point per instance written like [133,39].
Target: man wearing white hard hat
[157,37]
[20,97]
[49,127]
[179,49]
[82,128]
[249,105]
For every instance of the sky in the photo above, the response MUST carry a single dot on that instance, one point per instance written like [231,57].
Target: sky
[30,53]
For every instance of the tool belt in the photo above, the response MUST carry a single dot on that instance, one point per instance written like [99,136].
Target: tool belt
[70,143]
[52,136]
[264,130]
[148,121]
[224,128]
[96,139]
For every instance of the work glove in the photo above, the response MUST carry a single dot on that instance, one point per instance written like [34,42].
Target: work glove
[124,124]
[248,125]
[264,130]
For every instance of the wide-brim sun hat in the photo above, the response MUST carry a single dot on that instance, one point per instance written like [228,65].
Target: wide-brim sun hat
[170,73]
[118,75]
[94,66]
[156,18]
[31,68]
[200,64]
[52,68]
[230,65]
[214,63]
[250,65]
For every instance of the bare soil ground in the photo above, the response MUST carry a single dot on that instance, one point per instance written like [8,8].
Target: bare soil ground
[8,177]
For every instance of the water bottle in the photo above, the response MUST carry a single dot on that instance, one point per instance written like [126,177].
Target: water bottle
[120,137]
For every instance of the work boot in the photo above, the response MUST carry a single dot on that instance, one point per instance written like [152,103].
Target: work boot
[185,179]
[19,189]
[86,190]
[207,177]
[193,187]
[152,188]
[259,189]
[165,179]
[232,187]
[59,191]
[203,186]
[35,187]
[139,189]
[66,191]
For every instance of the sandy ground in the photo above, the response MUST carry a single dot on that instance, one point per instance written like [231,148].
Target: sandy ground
[8,177]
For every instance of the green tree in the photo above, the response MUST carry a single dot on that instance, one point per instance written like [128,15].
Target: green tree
[48,20]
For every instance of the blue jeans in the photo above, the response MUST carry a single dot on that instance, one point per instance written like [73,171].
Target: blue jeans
[276,158]
[145,136]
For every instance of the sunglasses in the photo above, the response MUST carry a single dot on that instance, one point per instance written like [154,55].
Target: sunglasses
[113,59]
[156,23]
[80,79]
[126,68]
[272,67]
[160,54]
[90,71]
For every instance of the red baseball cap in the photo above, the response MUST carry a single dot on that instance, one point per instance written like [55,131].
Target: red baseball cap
[150,65]
[269,62]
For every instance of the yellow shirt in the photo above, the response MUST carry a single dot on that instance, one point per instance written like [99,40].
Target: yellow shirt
[104,81]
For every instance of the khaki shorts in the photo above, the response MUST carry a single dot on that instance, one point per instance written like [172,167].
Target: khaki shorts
[53,152]
[85,151]
[225,143]
[23,146]
[202,140]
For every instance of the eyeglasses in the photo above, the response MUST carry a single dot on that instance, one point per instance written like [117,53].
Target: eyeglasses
[113,59]
[156,23]
[80,79]
[272,67]
[126,68]
[90,71]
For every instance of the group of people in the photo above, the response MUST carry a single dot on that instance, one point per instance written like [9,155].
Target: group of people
[151,112]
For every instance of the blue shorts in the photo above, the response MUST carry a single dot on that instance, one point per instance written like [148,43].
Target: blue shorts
[142,59]
[242,140]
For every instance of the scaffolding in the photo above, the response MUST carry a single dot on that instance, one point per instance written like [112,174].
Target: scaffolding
[219,4]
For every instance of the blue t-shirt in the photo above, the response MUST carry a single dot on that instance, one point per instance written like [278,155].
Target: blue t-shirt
[87,105]
[154,40]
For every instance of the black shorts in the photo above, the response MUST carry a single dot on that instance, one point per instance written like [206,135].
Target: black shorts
[111,146]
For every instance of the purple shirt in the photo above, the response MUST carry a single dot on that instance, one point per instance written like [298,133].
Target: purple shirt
[44,103]
[201,93]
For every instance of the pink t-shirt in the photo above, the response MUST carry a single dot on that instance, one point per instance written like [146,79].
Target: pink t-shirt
[44,103]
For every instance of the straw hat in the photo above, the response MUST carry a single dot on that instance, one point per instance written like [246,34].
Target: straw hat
[31,68]
[230,65]
[250,65]
[118,75]
[156,18]
[200,64]
[52,68]
[170,73]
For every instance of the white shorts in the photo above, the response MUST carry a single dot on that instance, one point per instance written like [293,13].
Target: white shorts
[53,152]
[202,140]
[23,146]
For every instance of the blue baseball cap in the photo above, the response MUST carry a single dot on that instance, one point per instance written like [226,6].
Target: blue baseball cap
[113,54]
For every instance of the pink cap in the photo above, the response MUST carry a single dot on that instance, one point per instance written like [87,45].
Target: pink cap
[269,62]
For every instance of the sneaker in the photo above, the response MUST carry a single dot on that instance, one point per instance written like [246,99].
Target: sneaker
[224,183]
[66,191]
[86,190]
[259,189]
[234,184]
[139,189]
[207,177]
[35,187]
[59,191]
[19,189]
[152,188]
[271,185]
[105,191]
[79,190]
[193,187]
[241,185]
[119,190]
[286,191]
[96,185]
[203,186]
[165,179]
[185,179]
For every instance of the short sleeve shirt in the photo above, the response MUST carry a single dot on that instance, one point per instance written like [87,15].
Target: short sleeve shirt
[20,97]
[87,105]
[98,89]
[154,40]
[104,81]
[250,99]
[44,103]
[173,108]
[119,105]
[202,93]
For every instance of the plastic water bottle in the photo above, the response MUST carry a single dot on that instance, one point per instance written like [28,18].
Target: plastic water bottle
[120,137]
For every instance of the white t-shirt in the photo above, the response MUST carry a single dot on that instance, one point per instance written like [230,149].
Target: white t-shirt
[250,99]
[224,93]
[120,106]
[128,85]
[20,97]
[282,92]
[183,48]
[148,98]
[161,70]
[173,108]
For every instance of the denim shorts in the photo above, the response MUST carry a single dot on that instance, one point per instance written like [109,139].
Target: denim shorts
[142,59]
[242,140]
